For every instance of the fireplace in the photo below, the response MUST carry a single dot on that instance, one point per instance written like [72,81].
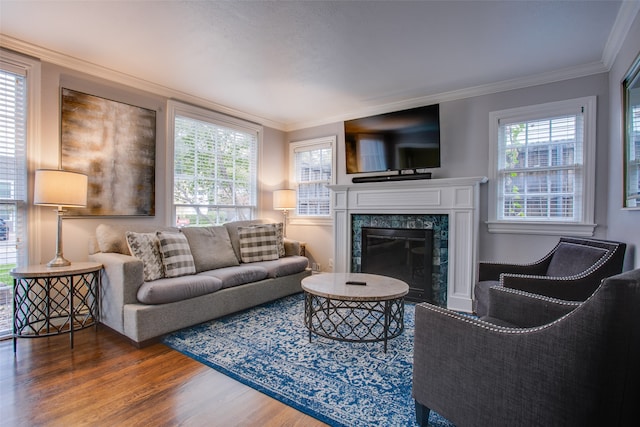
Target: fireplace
[411,226]
[403,253]
[455,248]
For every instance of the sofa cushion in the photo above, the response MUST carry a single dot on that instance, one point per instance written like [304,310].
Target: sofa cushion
[146,247]
[176,254]
[284,266]
[173,289]
[210,247]
[570,259]
[258,243]
[239,275]
[112,238]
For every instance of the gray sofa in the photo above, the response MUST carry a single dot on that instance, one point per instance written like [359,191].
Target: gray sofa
[139,301]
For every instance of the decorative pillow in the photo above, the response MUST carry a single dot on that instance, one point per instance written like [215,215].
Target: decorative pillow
[111,239]
[176,254]
[211,247]
[280,239]
[258,243]
[146,247]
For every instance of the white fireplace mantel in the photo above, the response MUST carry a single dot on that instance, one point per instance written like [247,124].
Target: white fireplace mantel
[456,197]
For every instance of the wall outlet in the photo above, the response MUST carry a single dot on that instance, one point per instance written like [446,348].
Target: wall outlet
[330,264]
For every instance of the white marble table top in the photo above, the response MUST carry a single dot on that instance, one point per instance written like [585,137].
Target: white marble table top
[334,286]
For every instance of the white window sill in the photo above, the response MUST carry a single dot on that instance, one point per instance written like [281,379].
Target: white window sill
[311,220]
[542,228]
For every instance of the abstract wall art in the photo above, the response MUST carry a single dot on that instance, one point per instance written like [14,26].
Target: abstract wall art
[115,145]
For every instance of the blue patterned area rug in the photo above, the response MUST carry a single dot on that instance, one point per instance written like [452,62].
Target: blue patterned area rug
[339,383]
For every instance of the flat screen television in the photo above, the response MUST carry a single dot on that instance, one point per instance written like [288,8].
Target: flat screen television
[397,141]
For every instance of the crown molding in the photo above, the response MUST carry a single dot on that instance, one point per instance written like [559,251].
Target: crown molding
[626,15]
[487,89]
[63,60]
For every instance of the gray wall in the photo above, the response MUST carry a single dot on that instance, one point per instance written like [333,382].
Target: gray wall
[465,152]
[77,231]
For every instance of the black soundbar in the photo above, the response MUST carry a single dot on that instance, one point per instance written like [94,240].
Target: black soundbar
[400,177]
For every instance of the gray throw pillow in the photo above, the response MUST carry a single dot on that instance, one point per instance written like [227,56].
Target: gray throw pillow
[176,254]
[258,243]
[146,247]
[211,247]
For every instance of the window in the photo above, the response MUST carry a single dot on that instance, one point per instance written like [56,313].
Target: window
[632,192]
[542,167]
[18,96]
[214,166]
[312,167]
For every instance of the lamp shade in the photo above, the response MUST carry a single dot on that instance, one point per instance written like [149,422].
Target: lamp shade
[60,188]
[284,199]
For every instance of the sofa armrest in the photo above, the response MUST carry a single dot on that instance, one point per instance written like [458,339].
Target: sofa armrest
[525,309]
[122,275]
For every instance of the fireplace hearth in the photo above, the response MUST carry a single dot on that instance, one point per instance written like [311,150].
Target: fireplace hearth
[402,253]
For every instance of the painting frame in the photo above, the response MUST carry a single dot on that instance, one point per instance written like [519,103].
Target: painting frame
[114,143]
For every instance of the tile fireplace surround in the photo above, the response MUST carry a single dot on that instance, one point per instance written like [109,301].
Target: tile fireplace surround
[456,197]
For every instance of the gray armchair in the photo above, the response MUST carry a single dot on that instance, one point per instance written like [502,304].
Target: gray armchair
[549,362]
[572,270]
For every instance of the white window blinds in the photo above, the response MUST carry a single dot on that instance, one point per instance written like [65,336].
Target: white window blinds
[13,122]
[215,171]
[313,168]
[540,168]
[633,159]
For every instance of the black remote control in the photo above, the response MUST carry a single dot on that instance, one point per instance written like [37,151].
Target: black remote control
[355,282]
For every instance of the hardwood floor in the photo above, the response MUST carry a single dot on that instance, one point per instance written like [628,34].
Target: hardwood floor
[104,381]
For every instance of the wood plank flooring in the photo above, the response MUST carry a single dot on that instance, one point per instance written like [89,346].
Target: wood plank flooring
[104,381]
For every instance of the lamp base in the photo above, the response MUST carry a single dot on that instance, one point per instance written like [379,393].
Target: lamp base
[58,261]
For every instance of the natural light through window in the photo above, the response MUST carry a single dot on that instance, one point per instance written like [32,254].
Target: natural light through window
[214,168]
[542,165]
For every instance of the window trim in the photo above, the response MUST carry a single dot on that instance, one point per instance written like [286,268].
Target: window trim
[586,226]
[312,144]
[198,113]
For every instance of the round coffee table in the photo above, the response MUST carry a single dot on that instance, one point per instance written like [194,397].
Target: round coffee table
[355,307]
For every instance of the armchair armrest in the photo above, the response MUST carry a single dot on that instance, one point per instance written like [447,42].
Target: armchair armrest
[492,270]
[469,370]
[573,288]
[526,309]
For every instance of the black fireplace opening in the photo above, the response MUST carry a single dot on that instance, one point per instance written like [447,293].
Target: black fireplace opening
[402,253]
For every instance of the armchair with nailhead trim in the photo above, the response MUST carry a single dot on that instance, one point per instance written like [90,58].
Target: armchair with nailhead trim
[533,360]
[572,270]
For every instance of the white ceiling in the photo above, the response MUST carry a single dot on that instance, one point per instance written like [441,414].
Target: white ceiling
[292,64]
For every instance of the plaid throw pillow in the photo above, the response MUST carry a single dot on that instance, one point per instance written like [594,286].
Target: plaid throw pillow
[258,243]
[176,254]
[146,248]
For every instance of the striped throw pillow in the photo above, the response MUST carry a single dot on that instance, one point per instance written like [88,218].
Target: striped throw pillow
[176,254]
[258,243]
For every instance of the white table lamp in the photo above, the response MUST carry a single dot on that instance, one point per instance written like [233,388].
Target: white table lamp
[284,200]
[61,189]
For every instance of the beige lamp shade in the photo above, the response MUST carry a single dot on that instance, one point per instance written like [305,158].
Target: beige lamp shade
[60,188]
[284,199]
